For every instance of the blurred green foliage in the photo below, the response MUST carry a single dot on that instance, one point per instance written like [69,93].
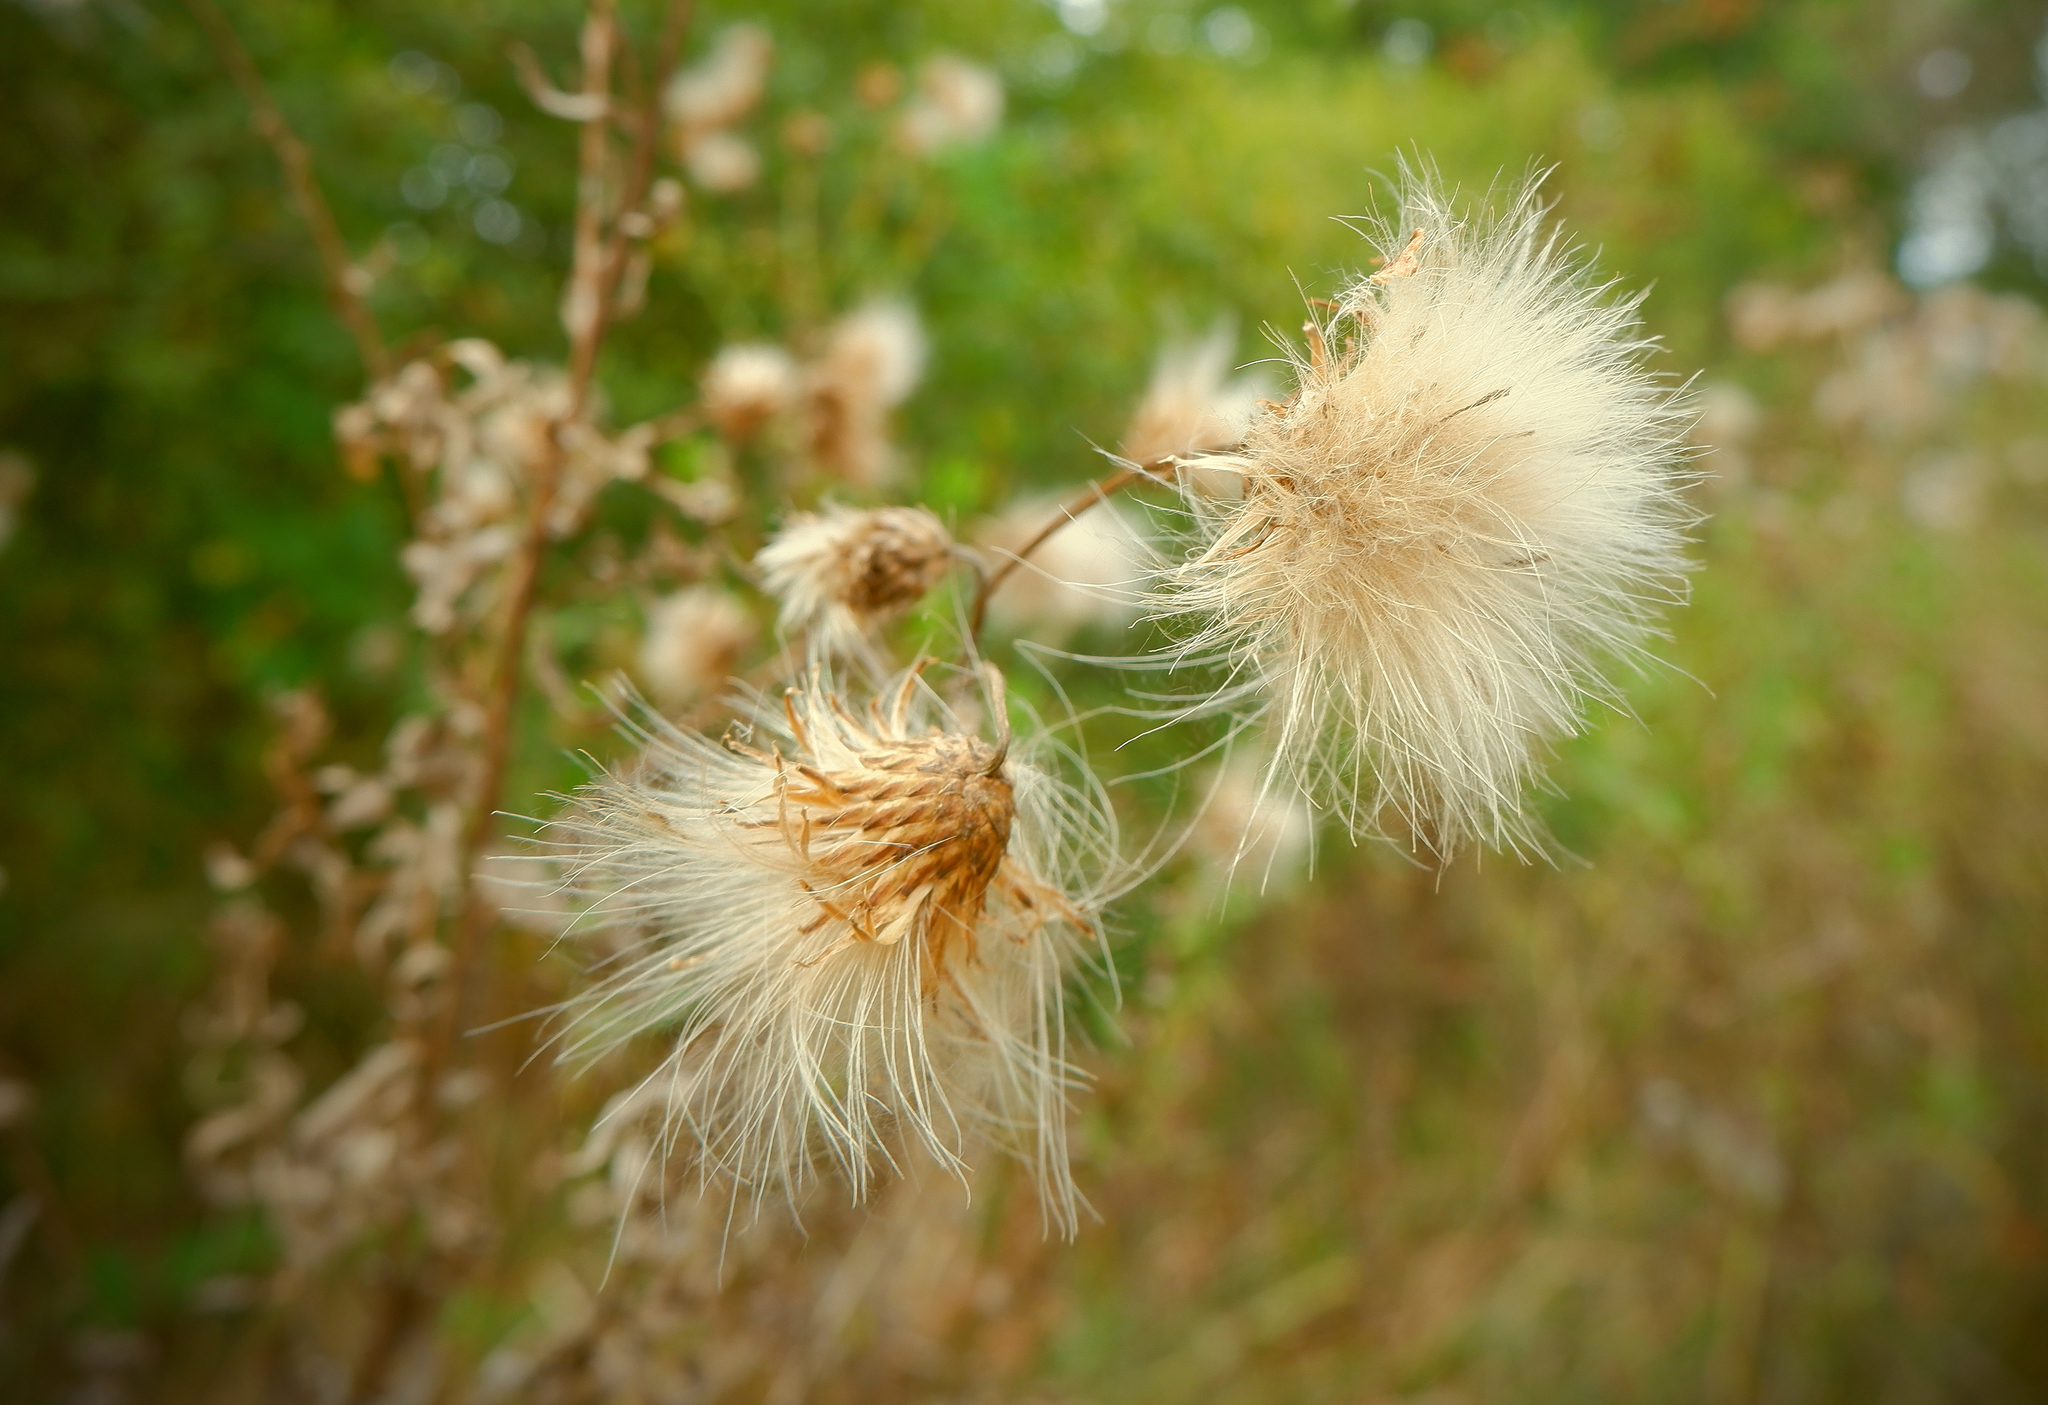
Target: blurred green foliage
[1850,738]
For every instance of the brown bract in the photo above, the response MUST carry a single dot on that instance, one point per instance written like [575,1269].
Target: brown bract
[890,566]
[904,845]
[841,572]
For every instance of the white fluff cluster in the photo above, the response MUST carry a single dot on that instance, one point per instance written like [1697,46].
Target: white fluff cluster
[1471,498]
[855,928]
[958,103]
[746,385]
[694,637]
[1192,405]
[704,102]
[836,405]
[872,360]
[840,573]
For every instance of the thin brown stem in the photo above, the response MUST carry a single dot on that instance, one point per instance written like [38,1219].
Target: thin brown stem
[593,283]
[1095,492]
[610,265]
[338,264]
[522,579]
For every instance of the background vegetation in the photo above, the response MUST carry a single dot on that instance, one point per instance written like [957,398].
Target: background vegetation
[1746,1101]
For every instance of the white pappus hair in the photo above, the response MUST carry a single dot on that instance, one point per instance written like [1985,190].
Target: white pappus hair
[1471,498]
[856,928]
[839,573]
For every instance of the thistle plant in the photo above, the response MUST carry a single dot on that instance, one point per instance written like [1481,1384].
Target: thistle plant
[833,900]
[1467,505]
[856,929]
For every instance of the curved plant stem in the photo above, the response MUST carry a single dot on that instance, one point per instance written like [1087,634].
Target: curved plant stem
[342,275]
[1098,491]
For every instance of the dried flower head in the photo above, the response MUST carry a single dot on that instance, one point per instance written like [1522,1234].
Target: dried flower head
[1471,496]
[722,161]
[872,362]
[746,385]
[857,928]
[841,572]
[702,103]
[693,639]
[726,85]
[1190,407]
[957,103]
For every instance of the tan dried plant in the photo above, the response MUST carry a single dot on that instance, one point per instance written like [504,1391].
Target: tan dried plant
[841,573]
[746,385]
[855,927]
[871,361]
[1469,501]
[1191,406]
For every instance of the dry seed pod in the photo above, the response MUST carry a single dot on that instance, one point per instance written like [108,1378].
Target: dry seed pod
[1471,497]
[1189,406]
[746,385]
[693,639]
[872,361]
[841,572]
[855,927]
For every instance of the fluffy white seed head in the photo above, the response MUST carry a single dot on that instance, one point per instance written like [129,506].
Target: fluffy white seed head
[721,161]
[746,385]
[1470,500]
[872,361]
[725,85]
[1191,405]
[957,103]
[839,573]
[854,926]
[876,354]
[693,639]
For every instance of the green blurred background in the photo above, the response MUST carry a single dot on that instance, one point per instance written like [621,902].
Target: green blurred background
[1747,1100]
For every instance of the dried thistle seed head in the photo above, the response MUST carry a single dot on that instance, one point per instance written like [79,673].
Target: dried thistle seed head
[693,639]
[903,844]
[957,103]
[841,572]
[725,85]
[1190,407]
[854,923]
[1470,499]
[721,161]
[871,363]
[746,385]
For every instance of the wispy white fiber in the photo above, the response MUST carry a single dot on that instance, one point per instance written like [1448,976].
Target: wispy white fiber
[855,926]
[1469,503]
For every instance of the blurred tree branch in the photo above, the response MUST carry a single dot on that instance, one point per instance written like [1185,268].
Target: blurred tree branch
[344,279]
